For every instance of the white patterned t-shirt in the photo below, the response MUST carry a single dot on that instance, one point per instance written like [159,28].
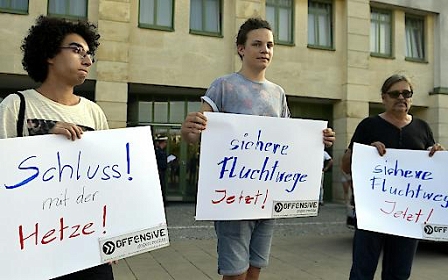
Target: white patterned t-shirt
[41,114]
[234,93]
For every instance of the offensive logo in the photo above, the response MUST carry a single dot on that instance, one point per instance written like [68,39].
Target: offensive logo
[429,229]
[278,207]
[108,248]
[295,208]
[435,231]
[134,243]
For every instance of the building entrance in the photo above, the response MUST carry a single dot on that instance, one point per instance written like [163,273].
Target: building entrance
[183,165]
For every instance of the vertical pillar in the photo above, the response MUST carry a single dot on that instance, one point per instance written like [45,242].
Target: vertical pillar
[111,90]
[439,98]
[245,9]
[354,105]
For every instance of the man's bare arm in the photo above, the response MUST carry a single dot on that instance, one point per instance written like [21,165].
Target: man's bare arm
[194,124]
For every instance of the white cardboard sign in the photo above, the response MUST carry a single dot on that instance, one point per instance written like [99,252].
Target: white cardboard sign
[254,167]
[403,192]
[59,197]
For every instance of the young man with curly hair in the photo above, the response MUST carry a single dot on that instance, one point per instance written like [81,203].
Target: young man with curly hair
[244,245]
[58,54]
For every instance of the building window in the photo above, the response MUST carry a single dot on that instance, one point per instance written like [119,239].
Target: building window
[381,32]
[279,13]
[320,16]
[415,43]
[157,14]
[205,17]
[14,6]
[76,9]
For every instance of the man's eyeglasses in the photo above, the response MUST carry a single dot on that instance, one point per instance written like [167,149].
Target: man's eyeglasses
[396,93]
[81,51]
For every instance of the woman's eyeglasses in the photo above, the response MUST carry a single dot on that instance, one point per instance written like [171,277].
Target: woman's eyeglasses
[396,93]
[81,51]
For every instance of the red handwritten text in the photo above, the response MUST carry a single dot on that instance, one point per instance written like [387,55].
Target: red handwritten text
[242,198]
[59,233]
[406,214]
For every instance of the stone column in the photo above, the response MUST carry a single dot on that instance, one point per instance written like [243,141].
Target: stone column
[245,9]
[437,113]
[111,90]
[354,105]
[437,117]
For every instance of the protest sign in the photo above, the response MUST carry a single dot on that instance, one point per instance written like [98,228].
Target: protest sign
[402,193]
[64,203]
[254,167]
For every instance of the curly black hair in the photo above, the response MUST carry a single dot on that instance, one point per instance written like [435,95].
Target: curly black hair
[44,39]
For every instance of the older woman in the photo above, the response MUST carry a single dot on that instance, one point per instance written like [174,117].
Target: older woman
[394,128]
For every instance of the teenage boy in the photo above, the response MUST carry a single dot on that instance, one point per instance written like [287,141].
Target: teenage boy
[244,246]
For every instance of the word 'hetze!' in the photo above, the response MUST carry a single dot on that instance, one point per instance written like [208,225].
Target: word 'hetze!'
[60,233]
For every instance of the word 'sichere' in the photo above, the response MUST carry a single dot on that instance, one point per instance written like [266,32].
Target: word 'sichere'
[396,170]
[258,145]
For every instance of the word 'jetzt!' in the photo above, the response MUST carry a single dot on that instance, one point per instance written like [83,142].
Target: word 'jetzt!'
[406,214]
[242,198]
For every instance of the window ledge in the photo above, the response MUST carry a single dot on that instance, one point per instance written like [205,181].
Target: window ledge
[204,33]
[68,17]
[324,48]
[155,27]
[439,90]
[380,55]
[283,43]
[418,60]
[11,11]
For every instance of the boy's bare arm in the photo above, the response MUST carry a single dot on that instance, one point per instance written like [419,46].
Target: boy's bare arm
[194,124]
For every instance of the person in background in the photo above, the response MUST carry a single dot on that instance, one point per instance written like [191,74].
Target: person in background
[346,180]
[244,245]
[328,163]
[394,128]
[162,162]
[58,54]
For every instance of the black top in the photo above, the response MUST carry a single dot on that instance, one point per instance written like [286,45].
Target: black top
[161,157]
[417,135]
